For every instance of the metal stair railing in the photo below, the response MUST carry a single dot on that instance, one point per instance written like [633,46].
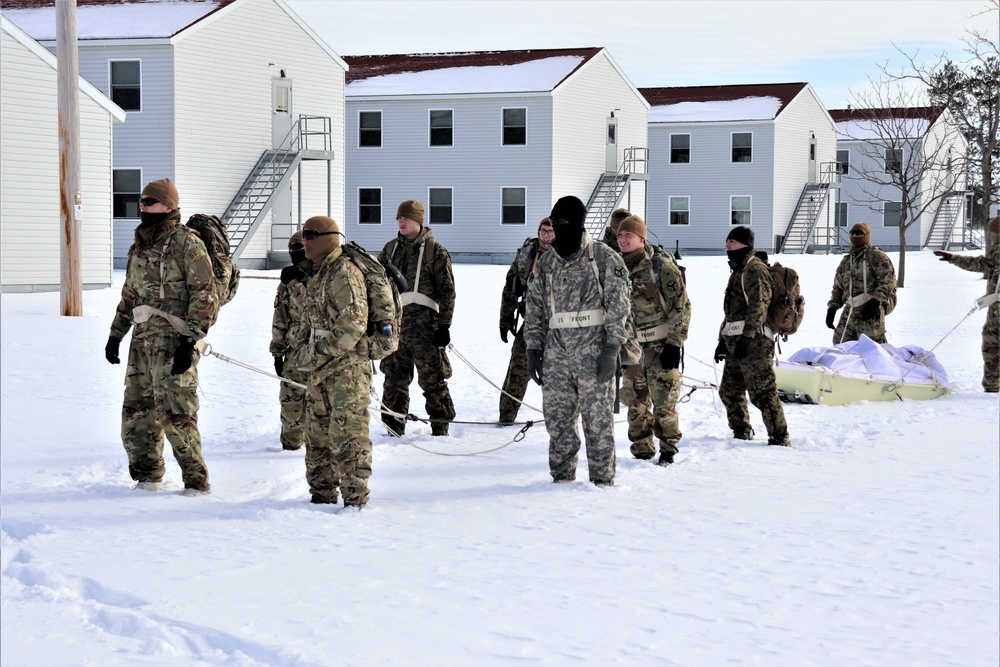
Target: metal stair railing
[943,225]
[611,188]
[806,214]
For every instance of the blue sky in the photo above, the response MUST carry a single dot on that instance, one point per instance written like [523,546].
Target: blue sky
[834,45]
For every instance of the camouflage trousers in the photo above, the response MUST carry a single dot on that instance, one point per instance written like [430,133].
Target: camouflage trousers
[647,385]
[157,404]
[416,349]
[516,381]
[570,390]
[991,350]
[293,410]
[753,375]
[851,328]
[338,446]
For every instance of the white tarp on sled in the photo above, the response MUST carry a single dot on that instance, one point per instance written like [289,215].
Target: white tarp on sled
[861,370]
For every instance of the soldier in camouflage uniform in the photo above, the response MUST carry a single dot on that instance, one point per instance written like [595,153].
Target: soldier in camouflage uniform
[289,342]
[169,302]
[866,282]
[338,447]
[611,231]
[662,312]
[746,346]
[575,325]
[989,265]
[511,306]
[428,308]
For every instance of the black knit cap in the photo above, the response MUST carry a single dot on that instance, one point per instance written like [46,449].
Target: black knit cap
[742,235]
[570,209]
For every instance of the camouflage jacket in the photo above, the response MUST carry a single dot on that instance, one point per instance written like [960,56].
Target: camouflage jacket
[570,285]
[172,273]
[516,286]
[869,266]
[335,318]
[436,279]
[989,264]
[289,335]
[748,294]
[669,304]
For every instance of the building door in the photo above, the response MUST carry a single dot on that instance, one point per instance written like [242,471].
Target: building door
[812,158]
[611,146]
[281,112]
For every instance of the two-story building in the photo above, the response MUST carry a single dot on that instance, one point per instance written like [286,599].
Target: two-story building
[879,150]
[238,101]
[488,141]
[760,155]
[30,182]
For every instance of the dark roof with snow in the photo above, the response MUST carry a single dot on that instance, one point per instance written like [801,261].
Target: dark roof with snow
[930,114]
[783,92]
[113,19]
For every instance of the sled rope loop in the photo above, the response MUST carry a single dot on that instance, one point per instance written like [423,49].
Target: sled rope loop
[920,361]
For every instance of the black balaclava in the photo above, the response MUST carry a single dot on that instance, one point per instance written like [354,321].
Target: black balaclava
[567,217]
[298,256]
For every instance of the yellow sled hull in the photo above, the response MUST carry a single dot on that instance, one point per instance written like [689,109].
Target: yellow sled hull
[819,385]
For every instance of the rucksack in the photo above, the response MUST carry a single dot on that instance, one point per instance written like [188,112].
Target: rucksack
[385,309]
[213,233]
[787,307]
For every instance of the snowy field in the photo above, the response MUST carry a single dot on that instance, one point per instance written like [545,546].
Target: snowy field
[872,541]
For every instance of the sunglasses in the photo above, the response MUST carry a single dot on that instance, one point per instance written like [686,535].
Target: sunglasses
[857,232]
[312,235]
[148,201]
[294,246]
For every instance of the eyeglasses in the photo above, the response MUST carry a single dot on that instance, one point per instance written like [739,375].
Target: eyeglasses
[148,201]
[294,246]
[312,235]
[546,232]
[857,232]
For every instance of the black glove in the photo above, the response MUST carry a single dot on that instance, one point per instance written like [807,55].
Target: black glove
[870,310]
[943,256]
[503,333]
[183,355]
[607,363]
[670,357]
[442,337]
[742,347]
[535,365]
[111,350]
[830,313]
[279,365]
[720,351]
[290,273]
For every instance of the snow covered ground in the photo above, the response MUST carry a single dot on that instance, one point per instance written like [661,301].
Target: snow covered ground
[872,541]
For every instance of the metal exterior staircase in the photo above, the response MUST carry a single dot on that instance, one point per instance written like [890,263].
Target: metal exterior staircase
[939,237]
[610,190]
[811,202]
[273,171]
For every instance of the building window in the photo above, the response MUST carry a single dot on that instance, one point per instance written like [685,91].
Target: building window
[742,146]
[126,84]
[515,127]
[126,184]
[739,208]
[440,200]
[369,206]
[369,129]
[680,210]
[680,148]
[843,162]
[841,215]
[441,127]
[514,209]
[893,160]
[891,213]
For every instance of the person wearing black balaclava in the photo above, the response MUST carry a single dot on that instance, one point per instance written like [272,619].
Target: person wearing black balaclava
[748,351]
[865,283]
[575,325]
[169,302]
[289,341]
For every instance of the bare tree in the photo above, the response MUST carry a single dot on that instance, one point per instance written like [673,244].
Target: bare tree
[911,154]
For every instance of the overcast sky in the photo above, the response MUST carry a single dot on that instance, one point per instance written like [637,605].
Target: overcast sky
[834,45]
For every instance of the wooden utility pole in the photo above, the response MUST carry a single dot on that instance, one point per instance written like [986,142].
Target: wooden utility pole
[70,204]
